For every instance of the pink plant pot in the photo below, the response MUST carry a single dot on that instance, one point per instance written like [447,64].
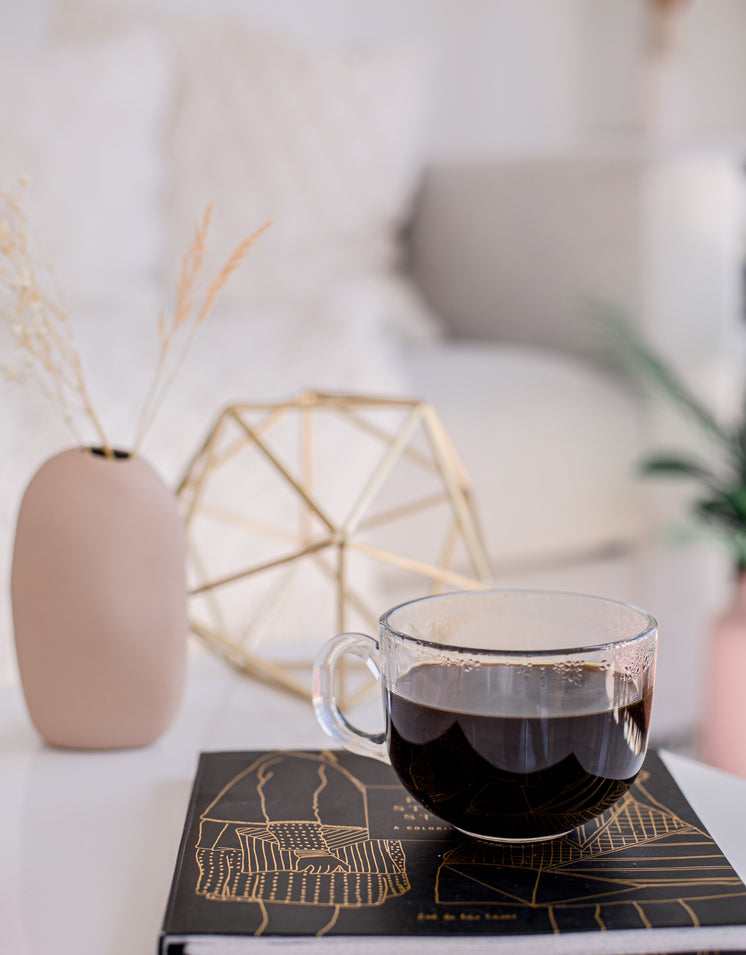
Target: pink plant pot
[723,741]
[98,590]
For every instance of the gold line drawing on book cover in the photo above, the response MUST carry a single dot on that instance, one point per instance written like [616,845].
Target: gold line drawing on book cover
[294,830]
[593,866]
[268,837]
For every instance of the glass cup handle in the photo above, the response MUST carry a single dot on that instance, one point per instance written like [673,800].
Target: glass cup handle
[332,719]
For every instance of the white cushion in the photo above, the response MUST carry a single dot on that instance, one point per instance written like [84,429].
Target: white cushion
[550,445]
[327,144]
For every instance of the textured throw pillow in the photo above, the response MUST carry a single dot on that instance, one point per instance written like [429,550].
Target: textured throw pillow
[324,143]
[328,144]
[84,123]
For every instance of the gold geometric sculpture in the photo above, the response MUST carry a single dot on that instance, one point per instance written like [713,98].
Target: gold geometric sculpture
[311,516]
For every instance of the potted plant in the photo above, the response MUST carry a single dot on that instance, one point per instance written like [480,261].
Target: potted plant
[718,472]
[98,580]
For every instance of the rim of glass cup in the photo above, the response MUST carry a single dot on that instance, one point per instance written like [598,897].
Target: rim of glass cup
[651,625]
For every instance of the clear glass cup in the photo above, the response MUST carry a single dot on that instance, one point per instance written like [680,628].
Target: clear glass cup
[515,716]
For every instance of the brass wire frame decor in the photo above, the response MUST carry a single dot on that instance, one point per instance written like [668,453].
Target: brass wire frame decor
[302,454]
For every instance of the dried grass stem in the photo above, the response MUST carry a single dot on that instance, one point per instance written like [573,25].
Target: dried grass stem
[41,329]
[184,319]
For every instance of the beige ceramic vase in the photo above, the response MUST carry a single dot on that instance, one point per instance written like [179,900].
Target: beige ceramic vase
[723,742]
[99,601]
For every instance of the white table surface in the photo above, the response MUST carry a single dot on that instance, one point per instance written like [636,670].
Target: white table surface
[88,840]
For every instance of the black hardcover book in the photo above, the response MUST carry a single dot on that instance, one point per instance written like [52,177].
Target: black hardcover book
[321,850]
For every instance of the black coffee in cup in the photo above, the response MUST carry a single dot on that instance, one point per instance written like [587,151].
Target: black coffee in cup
[516,751]
[514,715]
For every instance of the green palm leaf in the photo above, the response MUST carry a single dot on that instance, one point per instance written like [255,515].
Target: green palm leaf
[675,465]
[627,347]
[722,509]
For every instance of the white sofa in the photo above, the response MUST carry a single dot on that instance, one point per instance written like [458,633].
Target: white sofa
[392,268]
[519,257]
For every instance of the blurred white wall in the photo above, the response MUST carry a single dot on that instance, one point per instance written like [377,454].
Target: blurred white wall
[518,77]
